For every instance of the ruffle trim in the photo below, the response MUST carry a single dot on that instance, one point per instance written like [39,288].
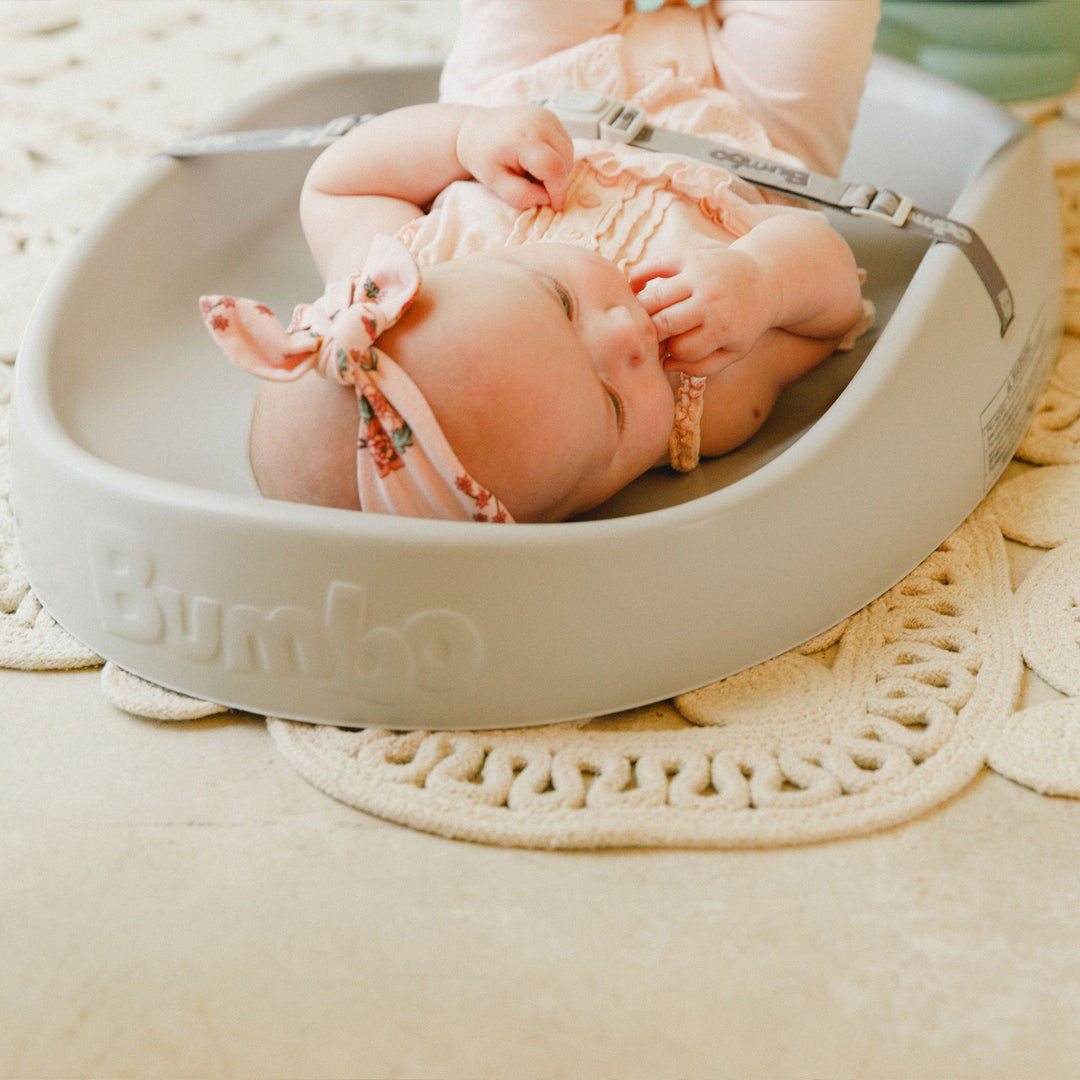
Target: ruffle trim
[684,443]
[720,195]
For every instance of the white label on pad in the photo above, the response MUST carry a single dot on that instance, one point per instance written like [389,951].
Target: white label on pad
[1008,415]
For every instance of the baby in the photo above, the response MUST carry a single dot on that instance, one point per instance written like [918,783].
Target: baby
[538,338]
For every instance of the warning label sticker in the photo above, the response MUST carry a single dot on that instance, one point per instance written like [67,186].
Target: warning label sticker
[1008,415]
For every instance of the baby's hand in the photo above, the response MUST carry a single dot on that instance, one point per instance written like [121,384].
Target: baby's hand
[709,306]
[520,152]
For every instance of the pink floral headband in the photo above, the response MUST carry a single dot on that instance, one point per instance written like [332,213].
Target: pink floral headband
[404,463]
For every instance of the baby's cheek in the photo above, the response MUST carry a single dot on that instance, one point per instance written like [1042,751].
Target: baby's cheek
[661,417]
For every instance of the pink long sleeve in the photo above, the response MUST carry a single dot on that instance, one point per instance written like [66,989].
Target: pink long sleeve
[501,36]
[798,67]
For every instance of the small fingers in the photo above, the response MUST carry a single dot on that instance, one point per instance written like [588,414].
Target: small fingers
[555,134]
[662,294]
[693,354]
[519,191]
[651,269]
[686,352]
[549,166]
[677,319]
[709,364]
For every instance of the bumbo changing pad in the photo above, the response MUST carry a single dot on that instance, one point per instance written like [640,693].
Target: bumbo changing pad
[141,531]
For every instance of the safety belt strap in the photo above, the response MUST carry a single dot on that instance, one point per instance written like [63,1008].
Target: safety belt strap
[288,138]
[594,116]
[589,115]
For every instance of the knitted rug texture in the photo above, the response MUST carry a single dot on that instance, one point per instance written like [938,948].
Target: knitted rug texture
[973,661]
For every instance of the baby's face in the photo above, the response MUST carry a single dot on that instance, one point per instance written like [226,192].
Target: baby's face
[556,397]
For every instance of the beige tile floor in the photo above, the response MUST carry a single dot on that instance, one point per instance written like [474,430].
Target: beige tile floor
[176,902]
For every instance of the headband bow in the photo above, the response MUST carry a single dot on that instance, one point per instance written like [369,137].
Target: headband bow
[404,463]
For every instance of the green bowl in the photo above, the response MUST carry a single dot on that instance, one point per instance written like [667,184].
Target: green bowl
[1006,49]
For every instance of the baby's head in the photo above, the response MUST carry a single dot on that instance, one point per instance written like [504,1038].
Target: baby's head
[540,368]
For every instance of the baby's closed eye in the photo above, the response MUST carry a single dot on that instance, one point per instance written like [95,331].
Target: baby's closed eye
[617,406]
[565,299]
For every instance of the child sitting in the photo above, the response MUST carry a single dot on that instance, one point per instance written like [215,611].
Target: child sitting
[542,332]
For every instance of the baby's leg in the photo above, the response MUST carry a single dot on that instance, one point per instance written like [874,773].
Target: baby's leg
[798,66]
[739,398]
[496,37]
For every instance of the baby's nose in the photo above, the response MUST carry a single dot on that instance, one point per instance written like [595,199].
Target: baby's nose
[627,339]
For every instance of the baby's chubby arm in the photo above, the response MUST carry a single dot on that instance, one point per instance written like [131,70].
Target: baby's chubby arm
[385,172]
[712,304]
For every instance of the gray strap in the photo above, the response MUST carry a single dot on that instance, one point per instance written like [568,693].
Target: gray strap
[594,116]
[230,142]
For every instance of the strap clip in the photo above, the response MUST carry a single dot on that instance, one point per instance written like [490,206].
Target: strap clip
[588,115]
[882,204]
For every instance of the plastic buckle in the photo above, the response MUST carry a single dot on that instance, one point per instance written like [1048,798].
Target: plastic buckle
[588,115]
[329,133]
[887,206]
[341,126]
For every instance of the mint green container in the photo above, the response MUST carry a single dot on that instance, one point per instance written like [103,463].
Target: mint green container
[1010,50]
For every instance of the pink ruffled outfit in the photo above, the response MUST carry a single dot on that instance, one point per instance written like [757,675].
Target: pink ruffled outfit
[625,203]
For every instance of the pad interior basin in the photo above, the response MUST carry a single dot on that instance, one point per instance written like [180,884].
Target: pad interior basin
[142,533]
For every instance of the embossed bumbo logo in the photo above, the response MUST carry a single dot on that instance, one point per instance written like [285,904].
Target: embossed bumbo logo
[434,650]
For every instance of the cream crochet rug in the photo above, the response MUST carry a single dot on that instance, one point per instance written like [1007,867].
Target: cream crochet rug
[972,662]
